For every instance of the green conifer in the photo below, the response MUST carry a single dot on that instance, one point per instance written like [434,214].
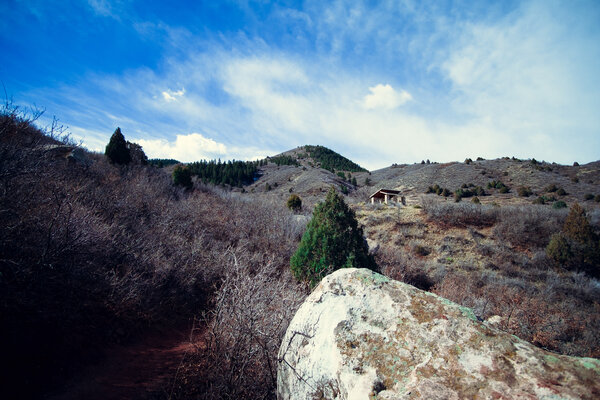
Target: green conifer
[116,149]
[294,202]
[332,240]
[182,176]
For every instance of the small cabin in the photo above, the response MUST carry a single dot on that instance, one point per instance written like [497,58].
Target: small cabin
[385,196]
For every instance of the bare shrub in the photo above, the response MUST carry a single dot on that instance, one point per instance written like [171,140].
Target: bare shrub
[459,214]
[540,260]
[528,226]
[105,252]
[485,250]
[405,268]
[552,319]
[420,249]
[248,318]
[594,217]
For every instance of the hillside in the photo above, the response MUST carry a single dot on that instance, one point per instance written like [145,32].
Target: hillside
[104,262]
[113,263]
[309,171]
[490,257]
[414,179]
[305,178]
[300,171]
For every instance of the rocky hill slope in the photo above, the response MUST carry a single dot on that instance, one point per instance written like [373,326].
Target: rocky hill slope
[489,256]
[577,181]
[297,171]
[361,335]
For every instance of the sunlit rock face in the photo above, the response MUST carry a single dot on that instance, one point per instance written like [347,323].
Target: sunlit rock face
[360,335]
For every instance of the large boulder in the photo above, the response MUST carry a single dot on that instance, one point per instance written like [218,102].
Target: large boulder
[360,335]
[70,153]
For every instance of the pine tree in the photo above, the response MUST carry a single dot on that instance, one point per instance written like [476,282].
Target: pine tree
[182,177]
[332,240]
[576,247]
[576,225]
[294,202]
[116,149]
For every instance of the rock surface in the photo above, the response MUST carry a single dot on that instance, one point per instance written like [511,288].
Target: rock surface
[70,153]
[360,335]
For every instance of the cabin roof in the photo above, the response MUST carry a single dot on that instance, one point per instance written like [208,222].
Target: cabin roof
[383,192]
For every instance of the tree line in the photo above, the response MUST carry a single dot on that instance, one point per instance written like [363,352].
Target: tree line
[331,160]
[233,173]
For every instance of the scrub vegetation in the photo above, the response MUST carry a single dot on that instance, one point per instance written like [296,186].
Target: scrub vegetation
[535,268]
[96,253]
[99,250]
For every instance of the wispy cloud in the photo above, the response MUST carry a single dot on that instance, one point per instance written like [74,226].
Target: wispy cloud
[521,82]
[532,76]
[170,95]
[101,7]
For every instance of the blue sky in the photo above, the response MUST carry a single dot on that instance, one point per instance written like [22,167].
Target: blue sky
[381,82]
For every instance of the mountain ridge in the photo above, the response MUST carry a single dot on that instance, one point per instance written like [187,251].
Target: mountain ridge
[531,177]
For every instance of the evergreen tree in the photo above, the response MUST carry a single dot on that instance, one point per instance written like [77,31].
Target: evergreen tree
[559,249]
[182,176]
[116,149]
[332,240]
[576,225]
[136,154]
[576,247]
[332,161]
[294,202]
[232,173]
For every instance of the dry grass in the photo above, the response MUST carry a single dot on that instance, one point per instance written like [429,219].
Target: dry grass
[491,259]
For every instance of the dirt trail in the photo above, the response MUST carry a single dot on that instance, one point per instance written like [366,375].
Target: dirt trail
[141,370]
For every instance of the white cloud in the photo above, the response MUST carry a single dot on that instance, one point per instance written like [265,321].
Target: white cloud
[91,139]
[531,73]
[523,85]
[290,15]
[385,97]
[185,148]
[102,8]
[277,92]
[169,95]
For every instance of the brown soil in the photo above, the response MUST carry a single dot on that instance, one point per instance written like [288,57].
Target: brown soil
[142,370]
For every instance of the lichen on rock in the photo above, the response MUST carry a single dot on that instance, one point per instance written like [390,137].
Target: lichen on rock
[360,335]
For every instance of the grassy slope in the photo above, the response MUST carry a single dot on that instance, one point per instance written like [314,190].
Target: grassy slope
[498,268]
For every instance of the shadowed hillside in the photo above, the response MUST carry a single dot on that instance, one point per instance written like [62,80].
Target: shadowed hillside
[97,256]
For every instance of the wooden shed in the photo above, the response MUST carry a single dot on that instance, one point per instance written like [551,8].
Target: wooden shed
[385,196]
